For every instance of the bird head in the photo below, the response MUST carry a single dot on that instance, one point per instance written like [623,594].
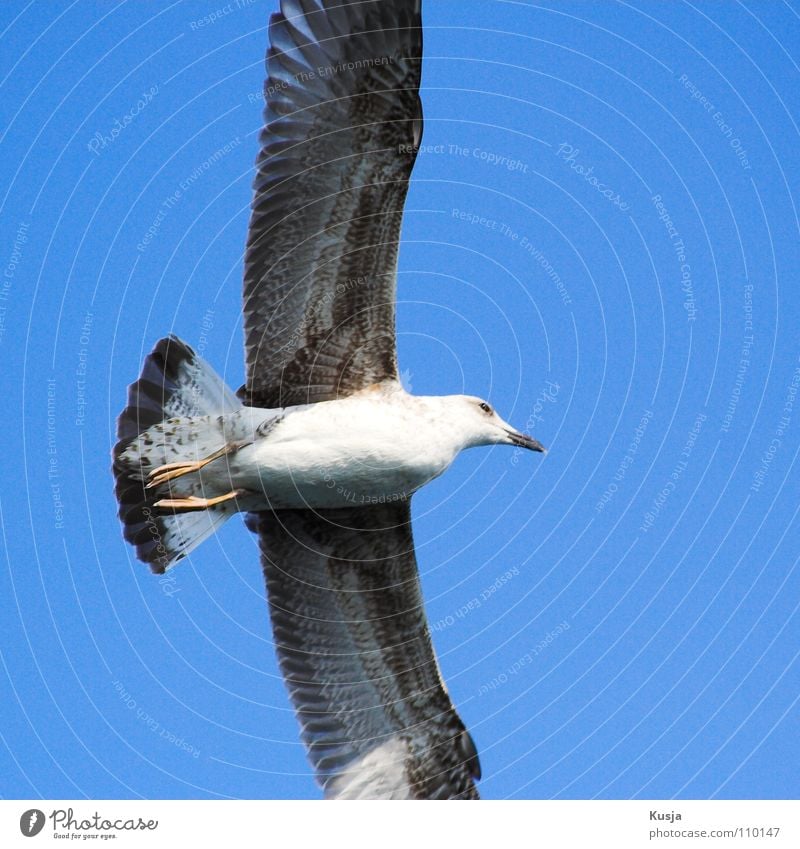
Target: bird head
[482,426]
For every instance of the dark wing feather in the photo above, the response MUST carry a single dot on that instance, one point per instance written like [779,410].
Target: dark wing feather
[355,650]
[343,121]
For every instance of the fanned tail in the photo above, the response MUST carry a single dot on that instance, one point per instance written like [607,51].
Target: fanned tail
[171,415]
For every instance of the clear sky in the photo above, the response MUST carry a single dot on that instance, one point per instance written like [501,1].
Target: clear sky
[601,237]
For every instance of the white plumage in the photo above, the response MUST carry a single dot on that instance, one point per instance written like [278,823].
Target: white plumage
[378,446]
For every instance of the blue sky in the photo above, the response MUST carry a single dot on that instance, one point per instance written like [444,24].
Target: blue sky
[601,237]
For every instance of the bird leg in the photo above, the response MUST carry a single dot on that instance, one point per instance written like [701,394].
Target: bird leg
[170,471]
[193,502]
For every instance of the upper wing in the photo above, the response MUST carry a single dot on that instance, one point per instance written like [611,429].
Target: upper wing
[355,650]
[343,122]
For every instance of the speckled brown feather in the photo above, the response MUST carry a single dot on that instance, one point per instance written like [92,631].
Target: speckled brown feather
[338,148]
[354,645]
[337,151]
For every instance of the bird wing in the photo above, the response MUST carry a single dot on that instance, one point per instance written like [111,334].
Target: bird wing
[343,121]
[355,650]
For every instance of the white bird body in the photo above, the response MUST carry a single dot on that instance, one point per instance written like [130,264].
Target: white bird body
[372,448]
[377,446]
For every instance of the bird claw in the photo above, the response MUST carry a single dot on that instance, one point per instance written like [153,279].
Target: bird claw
[194,502]
[170,471]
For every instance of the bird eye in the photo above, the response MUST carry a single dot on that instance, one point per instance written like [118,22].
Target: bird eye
[485,407]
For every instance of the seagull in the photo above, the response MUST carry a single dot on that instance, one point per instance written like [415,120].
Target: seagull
[322,448]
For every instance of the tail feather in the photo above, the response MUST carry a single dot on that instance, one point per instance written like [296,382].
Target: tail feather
[174,382]
[176,385]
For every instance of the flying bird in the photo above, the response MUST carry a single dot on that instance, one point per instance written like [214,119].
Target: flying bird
[322,448]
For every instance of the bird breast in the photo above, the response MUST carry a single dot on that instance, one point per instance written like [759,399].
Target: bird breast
[340,453]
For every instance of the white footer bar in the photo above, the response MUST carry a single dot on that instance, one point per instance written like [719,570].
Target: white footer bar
[534,824]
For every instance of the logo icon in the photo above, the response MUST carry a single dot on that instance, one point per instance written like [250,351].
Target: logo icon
[31,822]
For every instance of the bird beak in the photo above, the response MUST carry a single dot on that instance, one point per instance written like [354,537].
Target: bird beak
[525,441]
